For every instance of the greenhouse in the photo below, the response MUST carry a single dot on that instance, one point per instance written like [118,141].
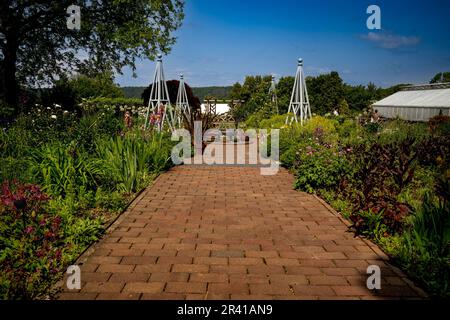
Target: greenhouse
[416,103]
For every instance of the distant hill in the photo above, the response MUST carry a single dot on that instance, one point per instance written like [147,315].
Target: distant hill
[133,92]
[216,92]
[200,92]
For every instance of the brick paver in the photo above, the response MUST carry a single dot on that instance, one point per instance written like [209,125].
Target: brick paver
[224,232]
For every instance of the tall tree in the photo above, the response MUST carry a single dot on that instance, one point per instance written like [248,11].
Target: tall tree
[37,46]
[254,92]
[325,91]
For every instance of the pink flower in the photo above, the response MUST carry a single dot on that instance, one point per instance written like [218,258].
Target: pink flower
[29,229]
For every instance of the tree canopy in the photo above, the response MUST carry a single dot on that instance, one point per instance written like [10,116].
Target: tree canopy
[37,47]
[326,92]
[441,77]
[254,92]
[172,88]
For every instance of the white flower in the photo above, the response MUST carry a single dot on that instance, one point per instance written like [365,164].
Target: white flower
[53,116]
[48,108]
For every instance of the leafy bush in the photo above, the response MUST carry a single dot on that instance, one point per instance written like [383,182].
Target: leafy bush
[424,249]
[382,172]
[31,243]
[275,122]
[373,127]
[69,92]
[319,167]
[328,126]
[293,137]
[127,161]
[434,151]
[61,169]
[101,104]
[45,124]
[348,130]
[440,125]
[105,125]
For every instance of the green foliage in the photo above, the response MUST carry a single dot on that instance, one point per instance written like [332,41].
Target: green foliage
[101,85]
[6,110]
[381,173]
[284,91]
[441,77]
[101,104]
[326,91]
[88,166]
[124,163]
[384,182]
[217,92]
[374,225]
[361,97]
[62,170]
[292,137]
[113,34]
[373,127]
[424,250]
[319,167]
[69,93]
[274,122]
[440,125]
[254,92]
[398,130]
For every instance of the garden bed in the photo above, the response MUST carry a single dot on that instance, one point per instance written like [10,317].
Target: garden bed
[65,180]
[390,181]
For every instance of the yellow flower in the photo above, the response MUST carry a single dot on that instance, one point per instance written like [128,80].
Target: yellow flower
[439,160]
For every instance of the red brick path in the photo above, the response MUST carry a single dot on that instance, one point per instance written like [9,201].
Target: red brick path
[216,232]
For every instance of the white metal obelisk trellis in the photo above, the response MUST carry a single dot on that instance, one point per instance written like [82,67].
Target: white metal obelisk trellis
[159,110]
[299,105]
[182,105]
[273,94]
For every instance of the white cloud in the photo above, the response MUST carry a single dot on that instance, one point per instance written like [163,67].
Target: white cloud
[391,41]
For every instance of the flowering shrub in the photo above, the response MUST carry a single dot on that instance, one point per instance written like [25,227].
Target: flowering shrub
[101,104]
[48,122]
[31,245]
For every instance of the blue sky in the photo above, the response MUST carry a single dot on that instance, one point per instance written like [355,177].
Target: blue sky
[222,41]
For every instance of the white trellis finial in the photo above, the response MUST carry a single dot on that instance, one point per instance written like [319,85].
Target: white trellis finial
[299,104]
